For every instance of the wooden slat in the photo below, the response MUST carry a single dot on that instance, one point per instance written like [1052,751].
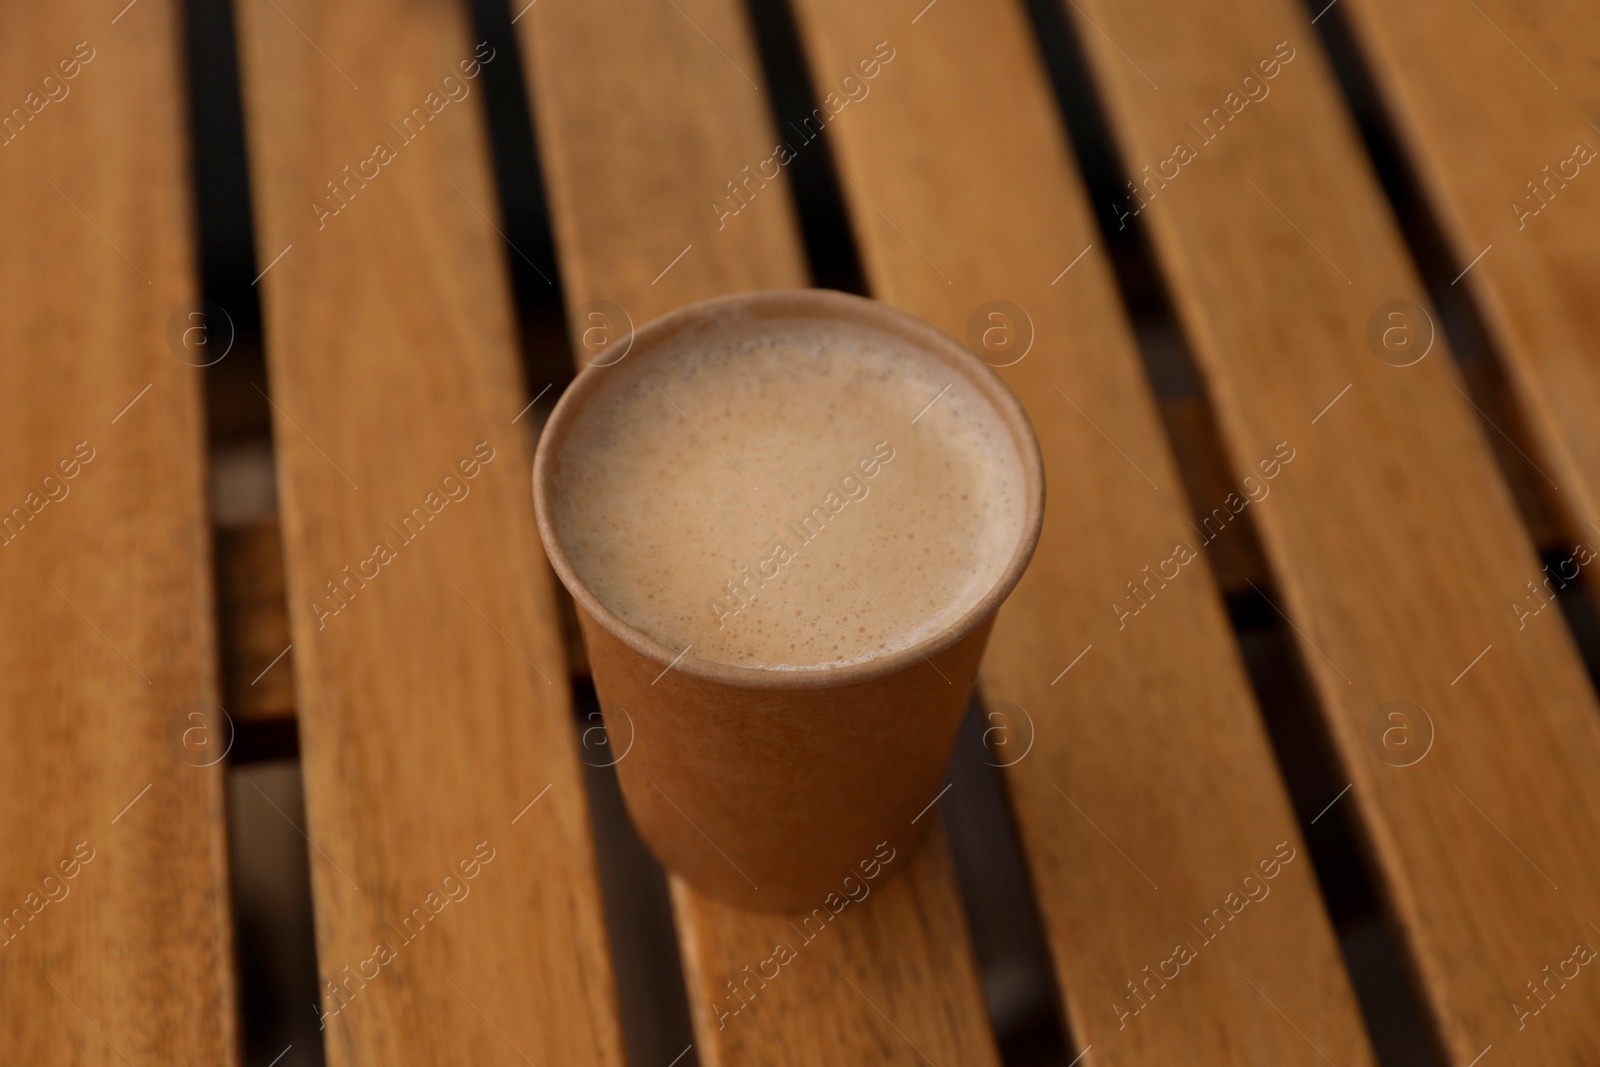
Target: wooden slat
[433,705]
[905,954]
[1150,792]
[1396,549]
[641,123]
[1486,97]
[115,934]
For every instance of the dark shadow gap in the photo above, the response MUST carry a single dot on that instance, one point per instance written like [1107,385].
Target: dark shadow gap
[1019,987]
[264,740]
[274,933]
[221,167]
[1380,972]
[1482,364]
[653,998]
[1577,607]
[270,880]
[1384,979]
[824,226]
[528,248]
[224,335]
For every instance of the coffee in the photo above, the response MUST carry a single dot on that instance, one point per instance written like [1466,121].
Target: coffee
[789,493]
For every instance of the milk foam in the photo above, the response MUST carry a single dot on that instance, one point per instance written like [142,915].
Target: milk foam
[788,495]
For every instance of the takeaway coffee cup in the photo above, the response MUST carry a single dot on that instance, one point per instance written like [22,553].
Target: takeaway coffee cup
[787,520]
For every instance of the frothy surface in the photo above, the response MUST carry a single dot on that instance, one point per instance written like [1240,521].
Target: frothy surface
[788,494]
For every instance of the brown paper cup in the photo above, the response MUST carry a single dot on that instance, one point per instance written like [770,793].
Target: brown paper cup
[768,788]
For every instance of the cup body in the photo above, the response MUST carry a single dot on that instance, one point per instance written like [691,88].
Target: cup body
[769,798]
[766,788]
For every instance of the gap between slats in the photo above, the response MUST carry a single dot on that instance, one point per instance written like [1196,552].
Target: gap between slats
[269,873]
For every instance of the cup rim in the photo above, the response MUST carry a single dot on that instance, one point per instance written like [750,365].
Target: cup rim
[794,303]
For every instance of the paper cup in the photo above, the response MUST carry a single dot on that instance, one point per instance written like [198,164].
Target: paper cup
[768,788]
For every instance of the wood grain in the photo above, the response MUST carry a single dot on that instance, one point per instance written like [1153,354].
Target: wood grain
[435,721]
[115,931]
[1486,97]
[1149,793]
[888,984]
[641,124]
[1397,554]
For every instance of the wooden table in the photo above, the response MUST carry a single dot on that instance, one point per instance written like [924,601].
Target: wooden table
[1235,336]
